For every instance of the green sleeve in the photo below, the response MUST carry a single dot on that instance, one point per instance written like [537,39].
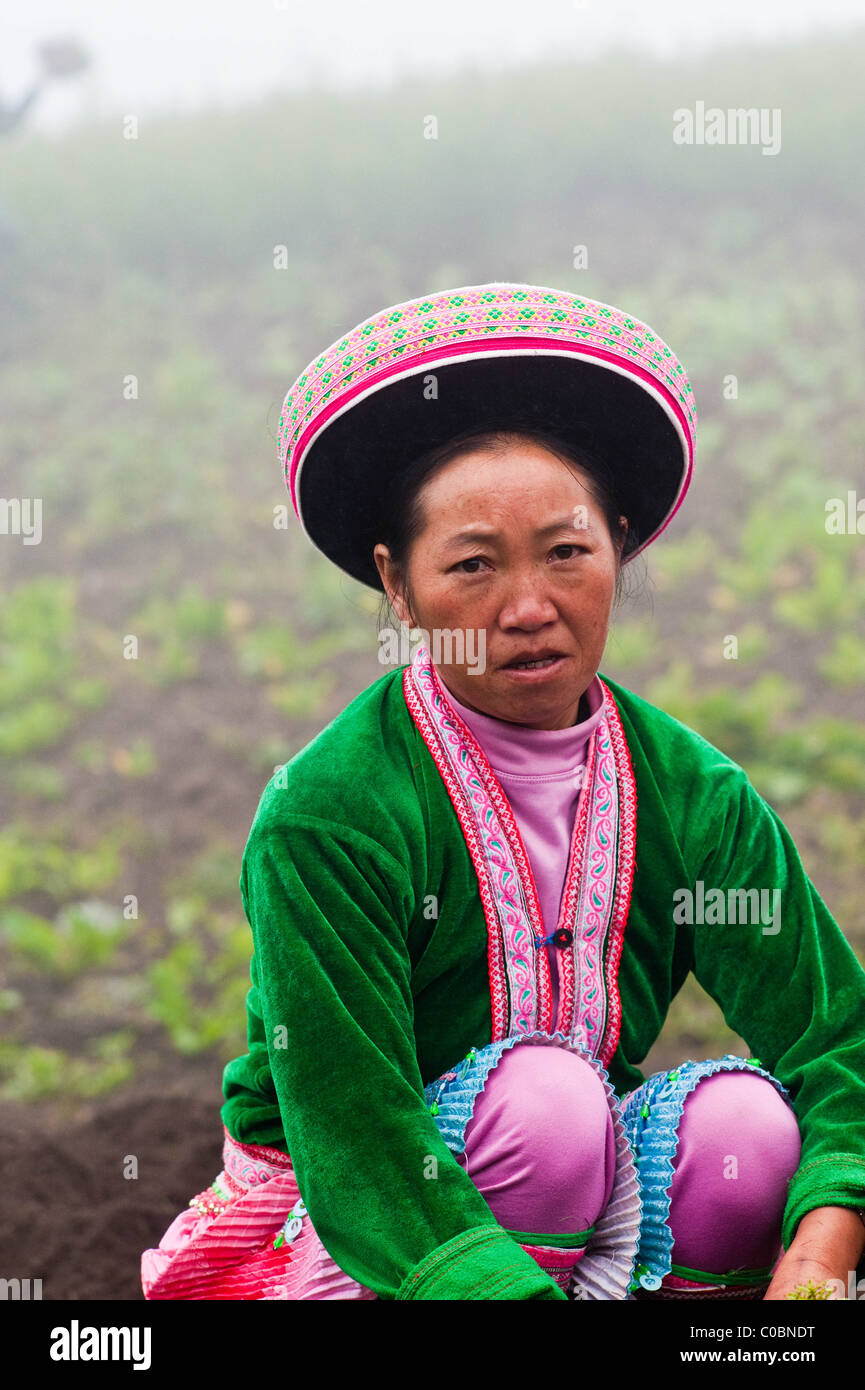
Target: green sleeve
[329,909]
[791,987]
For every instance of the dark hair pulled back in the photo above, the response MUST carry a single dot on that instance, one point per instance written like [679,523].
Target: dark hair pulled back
[404,519]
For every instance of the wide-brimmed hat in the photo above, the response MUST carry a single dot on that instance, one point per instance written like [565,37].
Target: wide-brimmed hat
[417,374]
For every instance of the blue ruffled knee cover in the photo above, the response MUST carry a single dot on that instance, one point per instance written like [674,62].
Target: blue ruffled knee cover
[606,1266]
[651,1115]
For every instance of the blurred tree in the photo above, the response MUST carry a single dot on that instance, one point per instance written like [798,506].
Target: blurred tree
[58,58]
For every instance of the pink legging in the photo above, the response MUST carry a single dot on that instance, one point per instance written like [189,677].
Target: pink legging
[540,1148]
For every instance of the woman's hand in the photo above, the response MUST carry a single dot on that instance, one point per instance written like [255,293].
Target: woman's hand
[828,1244]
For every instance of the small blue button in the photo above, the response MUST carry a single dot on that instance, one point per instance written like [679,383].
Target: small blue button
[650,1281]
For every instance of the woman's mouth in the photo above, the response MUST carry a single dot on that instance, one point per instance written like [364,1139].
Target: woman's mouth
[537,670]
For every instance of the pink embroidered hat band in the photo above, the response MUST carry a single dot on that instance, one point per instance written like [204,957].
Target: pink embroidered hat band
[415,375]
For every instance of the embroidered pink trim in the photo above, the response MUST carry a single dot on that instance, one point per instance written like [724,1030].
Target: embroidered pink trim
[597,892]
[496,347]
[558,1263]
[626,789]
[253,1164]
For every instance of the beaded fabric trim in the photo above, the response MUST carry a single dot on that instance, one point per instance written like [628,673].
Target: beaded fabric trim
[246,1166]
[558,1263]
[698,1294]
[597,892]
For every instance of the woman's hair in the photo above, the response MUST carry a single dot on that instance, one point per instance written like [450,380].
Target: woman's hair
[404,520]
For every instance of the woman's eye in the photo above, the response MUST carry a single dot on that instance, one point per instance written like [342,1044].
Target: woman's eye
[472,560]
[478,559]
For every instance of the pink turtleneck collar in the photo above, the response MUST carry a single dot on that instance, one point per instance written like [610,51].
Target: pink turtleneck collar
[533,754]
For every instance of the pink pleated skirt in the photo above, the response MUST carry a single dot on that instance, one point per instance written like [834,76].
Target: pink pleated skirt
[249,1237]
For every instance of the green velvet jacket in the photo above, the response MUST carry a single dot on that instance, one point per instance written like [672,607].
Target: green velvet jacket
[370,978]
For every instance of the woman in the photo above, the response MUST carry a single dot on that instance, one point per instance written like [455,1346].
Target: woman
[474,895]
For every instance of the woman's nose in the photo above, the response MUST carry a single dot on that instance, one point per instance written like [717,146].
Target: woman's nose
[528,601]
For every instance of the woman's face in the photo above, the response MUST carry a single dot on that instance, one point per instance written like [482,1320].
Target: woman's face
[515,559]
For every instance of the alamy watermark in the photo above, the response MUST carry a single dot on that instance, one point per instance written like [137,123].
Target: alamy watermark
[845,518]
[20,1289]
[447,646]
[736,907]
[737,125]
[21,516]
[77,1343]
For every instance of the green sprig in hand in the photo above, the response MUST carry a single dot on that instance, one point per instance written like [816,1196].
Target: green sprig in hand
[810,1290]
